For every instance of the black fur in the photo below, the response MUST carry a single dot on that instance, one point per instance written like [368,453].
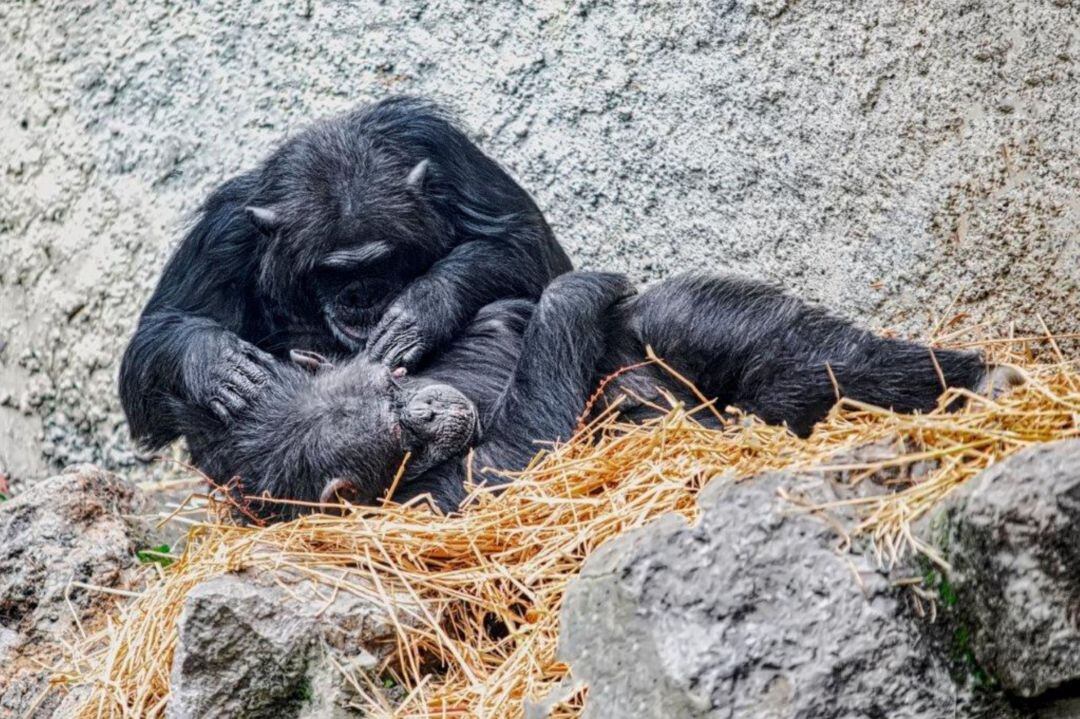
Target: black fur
[528,371]
[385,227]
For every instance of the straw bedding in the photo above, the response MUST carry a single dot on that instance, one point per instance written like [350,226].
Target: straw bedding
[509,557]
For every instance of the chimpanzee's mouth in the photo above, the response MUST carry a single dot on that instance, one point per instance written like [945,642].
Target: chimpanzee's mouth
[352,336]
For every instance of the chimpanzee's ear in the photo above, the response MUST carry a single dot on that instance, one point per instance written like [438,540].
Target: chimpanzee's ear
[311,361]
[417,174]
[265,219]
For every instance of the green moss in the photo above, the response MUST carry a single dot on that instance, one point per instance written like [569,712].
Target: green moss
[935,579]
[946,592]
[304,693]
[965,666]
[961,643]
[964,657]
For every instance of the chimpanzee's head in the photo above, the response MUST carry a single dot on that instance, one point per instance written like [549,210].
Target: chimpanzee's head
[348,219]
[361,420]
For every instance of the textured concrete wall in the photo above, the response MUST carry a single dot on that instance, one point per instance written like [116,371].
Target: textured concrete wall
[885,157]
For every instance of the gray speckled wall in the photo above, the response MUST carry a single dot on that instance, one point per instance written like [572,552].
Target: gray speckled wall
[887,158]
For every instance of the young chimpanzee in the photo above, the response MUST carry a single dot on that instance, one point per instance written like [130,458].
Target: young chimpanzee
[522,373]
[383,230]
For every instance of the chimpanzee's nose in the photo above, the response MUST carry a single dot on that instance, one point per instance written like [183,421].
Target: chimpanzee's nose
[424,408]
[432,407]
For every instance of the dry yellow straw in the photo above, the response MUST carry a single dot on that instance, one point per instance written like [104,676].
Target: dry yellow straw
[511,555]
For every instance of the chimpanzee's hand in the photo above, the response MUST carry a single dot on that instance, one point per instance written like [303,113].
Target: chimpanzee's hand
[418,322]
[226,374]
[585,294]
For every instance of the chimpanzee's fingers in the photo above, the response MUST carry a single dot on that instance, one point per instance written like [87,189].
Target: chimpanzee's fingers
[385,349]
[248,371]
[255,364]
[403,349]
[219,411]
[232,402]
[410,357]
[378,344]
[376,349]
[391,355]
[240,386]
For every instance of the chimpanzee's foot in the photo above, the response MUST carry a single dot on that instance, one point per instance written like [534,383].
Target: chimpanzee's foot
[999,380]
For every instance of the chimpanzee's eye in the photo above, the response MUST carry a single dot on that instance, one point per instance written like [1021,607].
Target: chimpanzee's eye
[365,293]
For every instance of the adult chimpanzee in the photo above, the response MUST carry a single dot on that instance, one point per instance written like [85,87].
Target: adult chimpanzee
[384,229]
[522,372]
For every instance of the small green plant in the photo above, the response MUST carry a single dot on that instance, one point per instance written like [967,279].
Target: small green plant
[965,657]
[305,692]
[961,643]
[935,579]
[155,555]
[946,592]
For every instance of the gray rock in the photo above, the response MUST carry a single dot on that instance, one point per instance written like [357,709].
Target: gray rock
[884,157]
[747,614]
[1012,538]
[79,526]
[273,645]
[76,527]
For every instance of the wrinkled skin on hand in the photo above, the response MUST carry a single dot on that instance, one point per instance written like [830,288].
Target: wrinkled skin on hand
[226,375]
[421,320]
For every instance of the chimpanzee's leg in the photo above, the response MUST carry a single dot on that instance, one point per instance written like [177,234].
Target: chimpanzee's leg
[750,345]
[557,370]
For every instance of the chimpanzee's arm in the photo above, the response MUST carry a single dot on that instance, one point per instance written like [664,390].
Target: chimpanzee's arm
[439,304]
[186,349]
[556,372]
[750,345]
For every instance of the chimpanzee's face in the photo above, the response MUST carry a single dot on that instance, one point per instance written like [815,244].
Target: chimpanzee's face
[352,227]
[355,287]
[355,270]
[372,419]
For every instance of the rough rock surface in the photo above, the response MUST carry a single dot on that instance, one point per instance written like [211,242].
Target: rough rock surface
[75,527]
[280,638]
[884,157]
[1012,537]
[747,614]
